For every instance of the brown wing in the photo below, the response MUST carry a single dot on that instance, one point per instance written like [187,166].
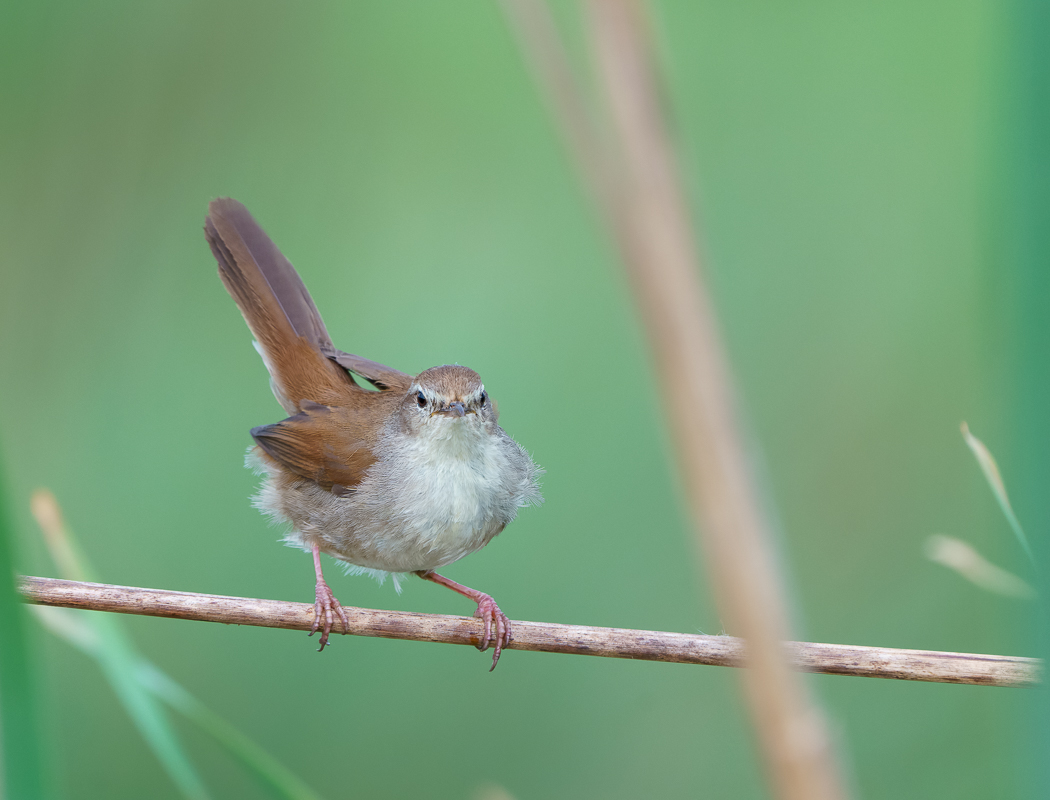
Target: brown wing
[319,444]
[378,375]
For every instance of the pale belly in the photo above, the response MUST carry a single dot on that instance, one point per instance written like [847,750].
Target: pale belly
[447,512]
[410,514]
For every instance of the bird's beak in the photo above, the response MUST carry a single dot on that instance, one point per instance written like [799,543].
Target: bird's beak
[456,409]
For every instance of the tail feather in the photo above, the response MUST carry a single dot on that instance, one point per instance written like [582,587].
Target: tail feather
[291,336]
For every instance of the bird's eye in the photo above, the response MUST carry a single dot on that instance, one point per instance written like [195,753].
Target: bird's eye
[421,399]
[484,397]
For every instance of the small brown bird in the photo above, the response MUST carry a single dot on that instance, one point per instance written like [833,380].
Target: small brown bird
[405,479]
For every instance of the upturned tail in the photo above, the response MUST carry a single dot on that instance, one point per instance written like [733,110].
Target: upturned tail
[288,330]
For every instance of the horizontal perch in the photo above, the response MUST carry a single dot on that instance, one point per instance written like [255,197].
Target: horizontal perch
[683,648]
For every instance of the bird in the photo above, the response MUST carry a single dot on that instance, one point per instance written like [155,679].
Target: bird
[404,476]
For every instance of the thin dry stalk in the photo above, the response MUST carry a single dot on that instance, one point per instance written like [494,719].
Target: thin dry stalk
[538,38]
[682,648]
[641,196]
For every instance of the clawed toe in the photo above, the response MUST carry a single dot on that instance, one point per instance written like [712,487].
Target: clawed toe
[324,604]
[490,613]
[487,611]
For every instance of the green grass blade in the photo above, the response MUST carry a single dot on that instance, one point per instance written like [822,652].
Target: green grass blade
[70,625]
[119,661]
[257,760]
[995,480]
[964,559]
[103,639]
[22,767]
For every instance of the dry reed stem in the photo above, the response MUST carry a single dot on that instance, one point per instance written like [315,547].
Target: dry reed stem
[629,164]
[682,648]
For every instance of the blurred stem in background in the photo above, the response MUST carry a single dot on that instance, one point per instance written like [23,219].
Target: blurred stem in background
[1027,242]
[625,155]
[22,767]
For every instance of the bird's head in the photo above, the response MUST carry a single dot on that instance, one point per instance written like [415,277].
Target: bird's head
[447,398]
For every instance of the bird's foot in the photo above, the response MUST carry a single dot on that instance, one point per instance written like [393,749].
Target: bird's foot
[324,604]
[493,617]
[487,611]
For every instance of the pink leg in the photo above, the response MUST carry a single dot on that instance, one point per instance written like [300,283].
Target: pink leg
[324,602]
[487,610]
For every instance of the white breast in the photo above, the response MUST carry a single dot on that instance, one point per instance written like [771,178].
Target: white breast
[432,498]
[453,496]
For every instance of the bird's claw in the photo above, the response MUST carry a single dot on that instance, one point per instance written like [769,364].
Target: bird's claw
[490,613]
[324,603]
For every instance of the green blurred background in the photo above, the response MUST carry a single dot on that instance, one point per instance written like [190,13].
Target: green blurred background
[844,163]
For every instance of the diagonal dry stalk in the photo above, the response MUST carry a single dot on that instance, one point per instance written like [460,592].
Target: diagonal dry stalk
[682,648]
[629,165]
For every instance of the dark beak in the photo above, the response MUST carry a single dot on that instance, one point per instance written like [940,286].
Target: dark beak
[456,409]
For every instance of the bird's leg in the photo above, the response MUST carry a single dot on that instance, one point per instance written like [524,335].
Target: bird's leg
[487,610]
[324,602]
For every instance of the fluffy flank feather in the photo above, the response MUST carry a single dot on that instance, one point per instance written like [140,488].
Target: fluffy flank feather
[378,574]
